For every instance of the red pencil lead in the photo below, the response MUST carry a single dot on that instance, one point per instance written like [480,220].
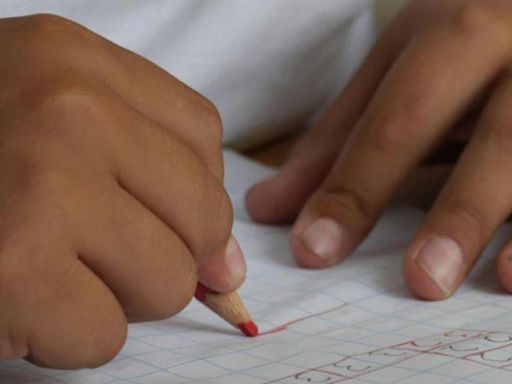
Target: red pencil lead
[249,329]
[229,306]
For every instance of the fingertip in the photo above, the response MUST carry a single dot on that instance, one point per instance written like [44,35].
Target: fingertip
[262,201]
[422,262]
[254,199]
[319,242]
[277,199]
[306,258]
[225,270]
[420,282]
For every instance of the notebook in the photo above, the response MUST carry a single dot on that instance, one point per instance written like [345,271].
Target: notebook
[355,323]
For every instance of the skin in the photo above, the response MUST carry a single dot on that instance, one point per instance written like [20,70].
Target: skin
[110,191]
[111,174]
[442,71]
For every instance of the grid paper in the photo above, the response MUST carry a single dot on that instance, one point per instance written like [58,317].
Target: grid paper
[354,323]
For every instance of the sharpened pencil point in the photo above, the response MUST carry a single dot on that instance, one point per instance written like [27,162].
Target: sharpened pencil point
[229,306]
[249,329]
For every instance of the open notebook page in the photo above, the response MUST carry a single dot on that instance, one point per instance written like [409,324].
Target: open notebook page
[354,323]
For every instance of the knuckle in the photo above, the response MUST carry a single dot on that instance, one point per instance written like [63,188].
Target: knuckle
[41,25]
[211,120]
[211,116]
[58,105]
[499,136]
[48,21]
[470,216]
[389,139]
[38,194]
[63,96]
[474,17]
[350,203]
[50,27]
[208,131]
[392,131]
[42,32]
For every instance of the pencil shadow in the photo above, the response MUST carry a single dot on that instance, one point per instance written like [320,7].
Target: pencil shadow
[184,325]
[271,246]
[10,374]
[485,280]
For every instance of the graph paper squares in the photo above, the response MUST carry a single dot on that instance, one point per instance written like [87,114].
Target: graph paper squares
[359,325]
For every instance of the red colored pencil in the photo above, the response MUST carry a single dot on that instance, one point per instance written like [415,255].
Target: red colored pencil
[228,306]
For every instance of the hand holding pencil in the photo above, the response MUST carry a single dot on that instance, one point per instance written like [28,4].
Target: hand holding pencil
[110,224]
[228,306]
[224,300]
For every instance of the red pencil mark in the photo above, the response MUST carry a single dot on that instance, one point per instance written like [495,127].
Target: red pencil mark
[333,369]
[282,327]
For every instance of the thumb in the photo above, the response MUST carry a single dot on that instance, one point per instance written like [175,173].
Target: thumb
[224,271]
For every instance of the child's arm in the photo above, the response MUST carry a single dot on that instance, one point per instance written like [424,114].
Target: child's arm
[437,67]
[111,194]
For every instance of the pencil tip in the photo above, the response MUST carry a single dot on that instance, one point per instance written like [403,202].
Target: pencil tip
[249,329]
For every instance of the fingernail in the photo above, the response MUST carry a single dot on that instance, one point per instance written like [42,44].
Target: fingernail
[323,237]
[441,258]
[233,258]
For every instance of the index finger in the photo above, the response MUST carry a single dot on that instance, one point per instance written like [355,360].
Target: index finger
[421,96]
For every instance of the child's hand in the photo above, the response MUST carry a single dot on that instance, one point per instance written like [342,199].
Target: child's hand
[438,63]
[111,194]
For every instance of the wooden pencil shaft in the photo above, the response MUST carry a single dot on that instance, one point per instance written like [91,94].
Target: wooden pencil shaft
[228,306]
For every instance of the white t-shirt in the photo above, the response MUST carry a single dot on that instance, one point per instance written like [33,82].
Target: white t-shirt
[268,65]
